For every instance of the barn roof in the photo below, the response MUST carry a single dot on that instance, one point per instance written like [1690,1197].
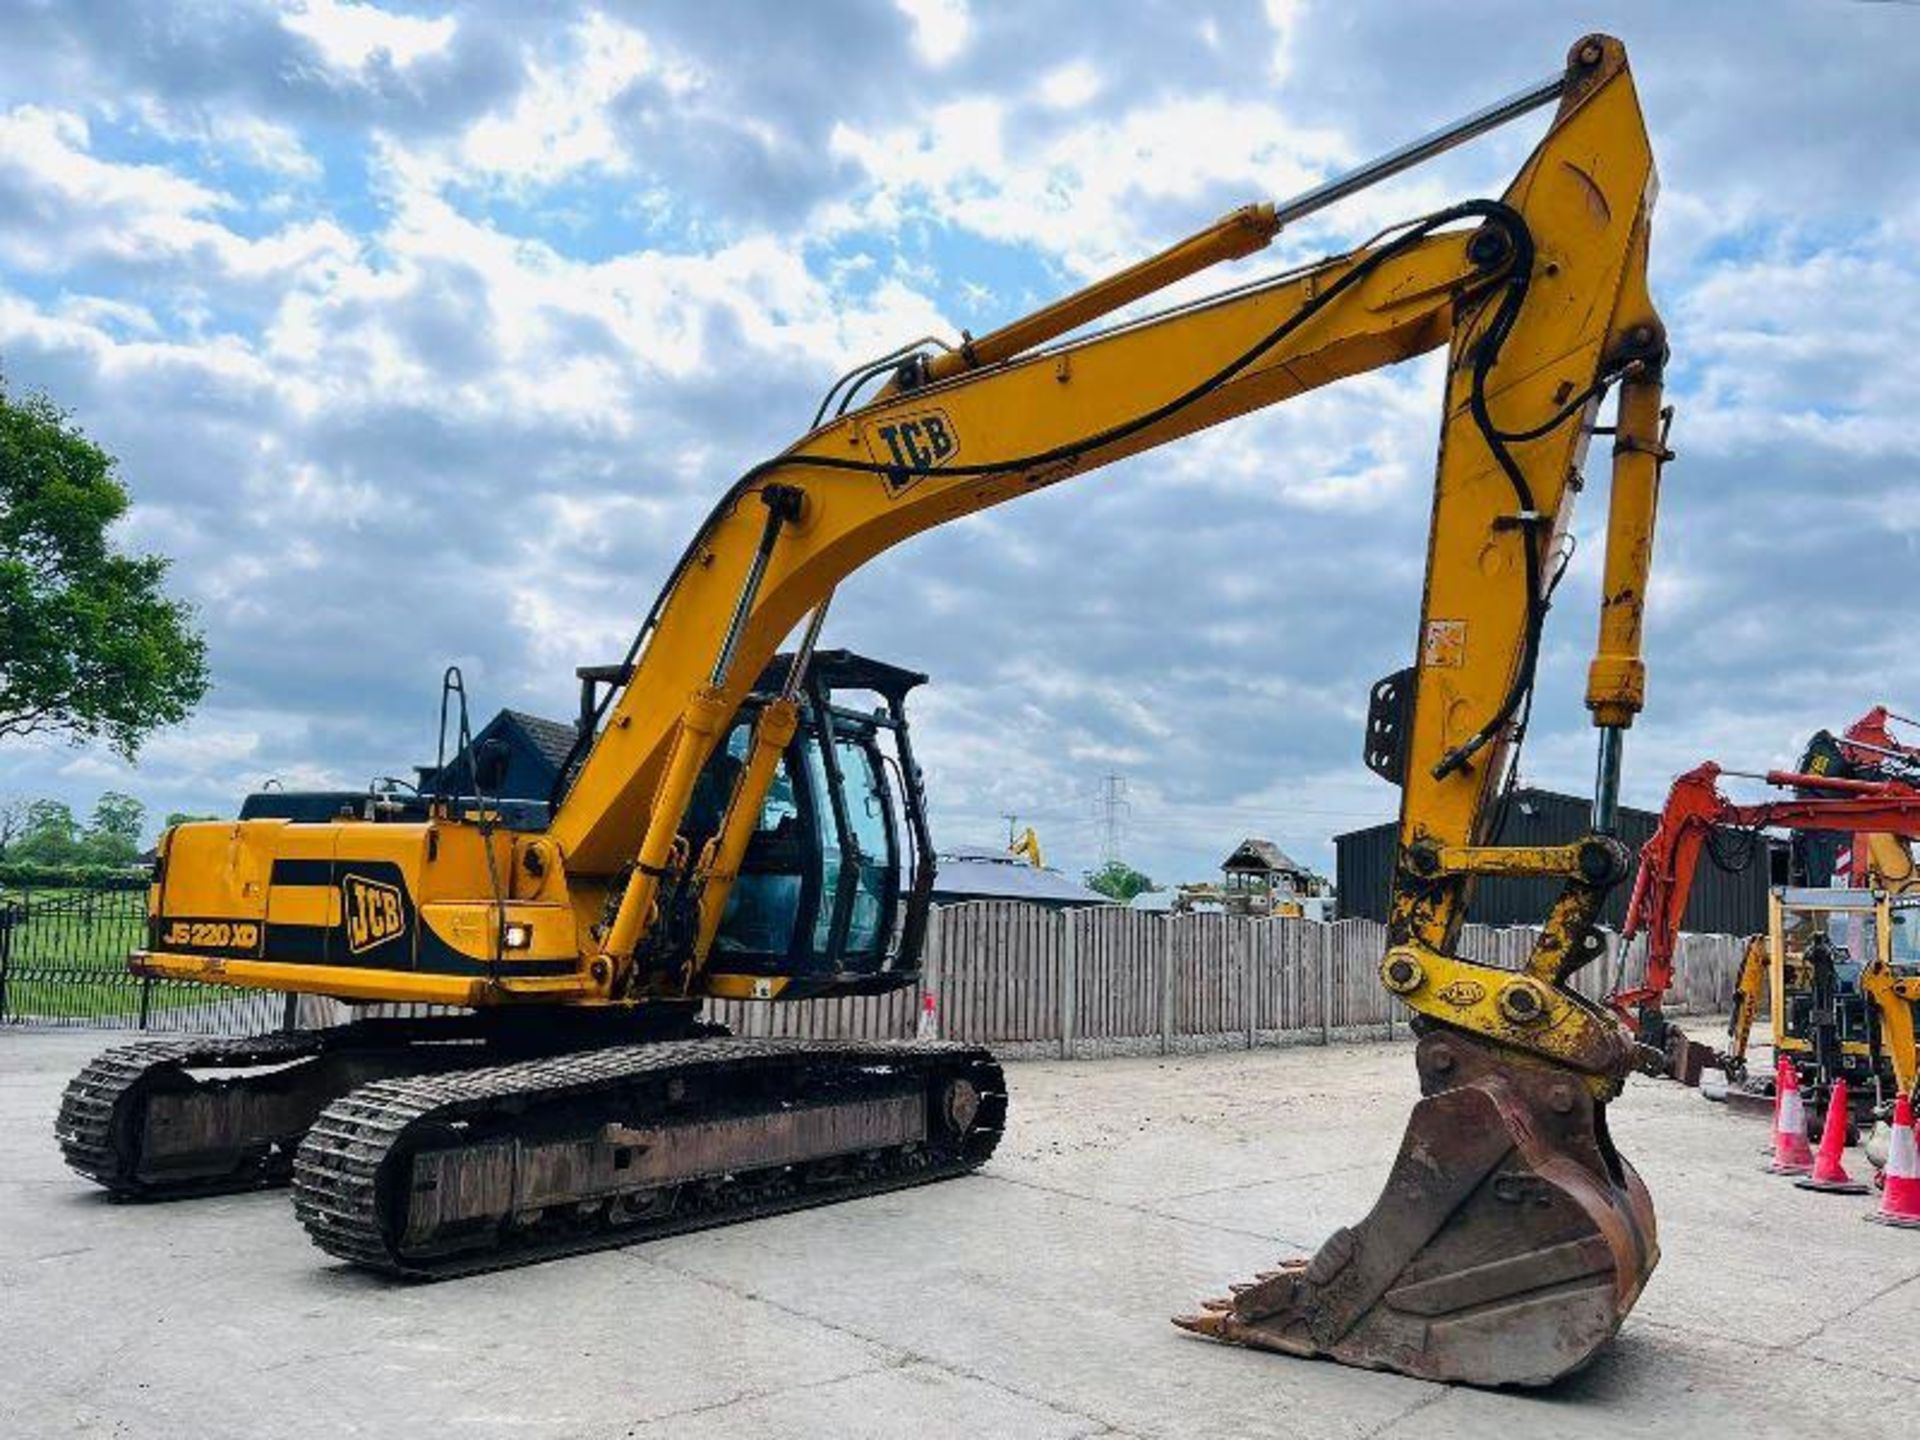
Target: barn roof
[1253,853]
[552,738]
[968,872]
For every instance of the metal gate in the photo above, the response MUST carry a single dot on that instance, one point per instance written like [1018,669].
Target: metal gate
[63,961]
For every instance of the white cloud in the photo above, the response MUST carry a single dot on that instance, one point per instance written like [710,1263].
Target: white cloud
[1085,195]
[940,28]
[135,213]
[1284,17]
[50,148]
[352,35]
[1071,85]
[1805,343]
[560,123]
[251,139]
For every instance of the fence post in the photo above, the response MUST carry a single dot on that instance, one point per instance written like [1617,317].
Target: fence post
[933,980]
[290,1013]
[146,998]
[1326,987]
[1245,933]
[1166,986]
[9,915]
[1068,982]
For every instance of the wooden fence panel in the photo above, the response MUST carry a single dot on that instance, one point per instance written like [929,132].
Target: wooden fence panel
[1118,956]
[996,972]
[1202,986]
[1354,996]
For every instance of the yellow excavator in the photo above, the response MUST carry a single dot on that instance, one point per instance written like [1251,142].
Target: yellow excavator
[576,1103]
[1027,848]
[1839,1009]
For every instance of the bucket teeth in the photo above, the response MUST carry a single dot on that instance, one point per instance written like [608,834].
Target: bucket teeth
[1211,1325]
[1506,1248]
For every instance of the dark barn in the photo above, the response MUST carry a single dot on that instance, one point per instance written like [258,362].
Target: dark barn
[1722,903]
[536,748]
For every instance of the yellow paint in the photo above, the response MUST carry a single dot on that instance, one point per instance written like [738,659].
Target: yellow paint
[746,987]
[342,982]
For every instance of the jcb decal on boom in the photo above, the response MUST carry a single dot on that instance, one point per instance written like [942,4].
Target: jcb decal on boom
[374,912]
[913,445]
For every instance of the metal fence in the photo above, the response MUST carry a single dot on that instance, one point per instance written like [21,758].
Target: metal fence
[63,961]
[1028,980]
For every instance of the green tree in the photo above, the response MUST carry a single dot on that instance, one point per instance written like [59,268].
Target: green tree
[181,817]
[113,835]
[49,836]
[1119,881]
[90,646]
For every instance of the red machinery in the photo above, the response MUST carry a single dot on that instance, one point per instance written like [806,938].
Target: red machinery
[1695,808]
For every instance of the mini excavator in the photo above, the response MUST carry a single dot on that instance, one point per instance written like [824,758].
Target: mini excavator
[1843,992]
[575,1102]
[1858,786]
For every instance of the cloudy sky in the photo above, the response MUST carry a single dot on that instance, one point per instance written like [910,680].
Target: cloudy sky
[426,332]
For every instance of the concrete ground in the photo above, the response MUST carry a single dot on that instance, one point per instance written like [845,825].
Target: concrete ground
[1030,1300]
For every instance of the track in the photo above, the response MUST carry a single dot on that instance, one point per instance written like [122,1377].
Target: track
[102,1107]
[455,1174]
[173,1119]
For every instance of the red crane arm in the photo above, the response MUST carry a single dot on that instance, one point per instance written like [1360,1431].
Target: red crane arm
[1695,807]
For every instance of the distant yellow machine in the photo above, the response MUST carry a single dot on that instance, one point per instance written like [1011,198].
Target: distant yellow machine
[1027,847]
[722,833]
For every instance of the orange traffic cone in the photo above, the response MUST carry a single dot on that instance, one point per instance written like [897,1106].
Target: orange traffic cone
[1792,1155]
[1900,1199]
[1829,1173]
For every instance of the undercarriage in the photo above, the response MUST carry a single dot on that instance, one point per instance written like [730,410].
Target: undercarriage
[430,1149]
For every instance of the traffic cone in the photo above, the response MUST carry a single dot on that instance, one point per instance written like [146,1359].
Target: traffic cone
[1779,1089]
[1829,1172]
[1900,1198]
[1780,1067]
[929,1025]
[1792,1155]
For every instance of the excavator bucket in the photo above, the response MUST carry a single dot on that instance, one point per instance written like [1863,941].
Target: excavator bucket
[1510,1242]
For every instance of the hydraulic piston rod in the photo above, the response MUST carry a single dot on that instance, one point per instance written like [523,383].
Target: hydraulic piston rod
[1245,231]
[1415,152]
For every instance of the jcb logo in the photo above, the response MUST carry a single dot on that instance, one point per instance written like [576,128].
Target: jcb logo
[912,445]
[375,913]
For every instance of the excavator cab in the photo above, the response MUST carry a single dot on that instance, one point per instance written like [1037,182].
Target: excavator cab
[833,890]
